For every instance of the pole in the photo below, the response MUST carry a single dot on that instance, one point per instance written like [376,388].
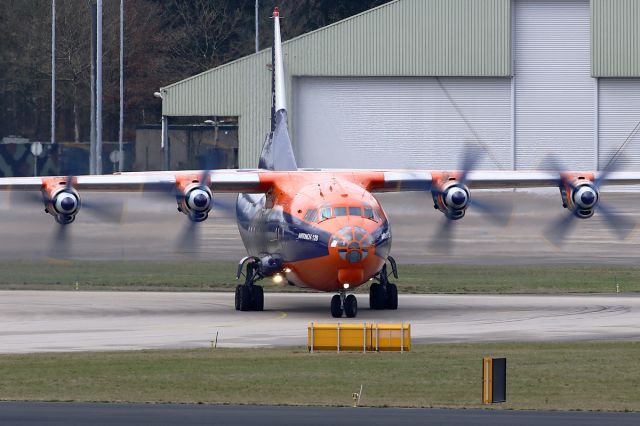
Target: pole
[120,129]
[99,90]
[92,144]
[164,143]
[53,72]
[257,43]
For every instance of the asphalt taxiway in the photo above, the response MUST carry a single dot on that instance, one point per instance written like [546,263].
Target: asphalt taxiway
[33,413]
[44,321]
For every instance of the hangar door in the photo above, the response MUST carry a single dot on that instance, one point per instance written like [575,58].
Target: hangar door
[554,91]
[619,113]
[398,122]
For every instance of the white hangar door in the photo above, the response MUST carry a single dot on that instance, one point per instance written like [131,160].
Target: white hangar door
[619,114]
[398,122]
[554,92]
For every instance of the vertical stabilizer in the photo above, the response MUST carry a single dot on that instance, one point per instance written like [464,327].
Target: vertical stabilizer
[277,153]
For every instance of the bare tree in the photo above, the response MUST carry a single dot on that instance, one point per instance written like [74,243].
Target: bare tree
[204,33]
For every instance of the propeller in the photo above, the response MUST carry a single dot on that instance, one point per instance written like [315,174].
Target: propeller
[108,210]
[496,212]
[60,243]
[189,237]
[558,231]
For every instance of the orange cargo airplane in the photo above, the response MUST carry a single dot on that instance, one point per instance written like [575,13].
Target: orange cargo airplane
[322,229]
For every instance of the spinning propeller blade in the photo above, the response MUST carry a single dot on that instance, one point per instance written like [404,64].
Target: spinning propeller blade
[621,226]
[496,212]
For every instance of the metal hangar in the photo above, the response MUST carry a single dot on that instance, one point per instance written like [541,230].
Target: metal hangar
[410,83]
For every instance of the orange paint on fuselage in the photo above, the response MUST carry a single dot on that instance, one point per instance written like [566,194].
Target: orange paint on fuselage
[352,257]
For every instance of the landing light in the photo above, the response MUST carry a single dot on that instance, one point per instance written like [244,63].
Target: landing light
[277,278]
[287,270]
[345,285]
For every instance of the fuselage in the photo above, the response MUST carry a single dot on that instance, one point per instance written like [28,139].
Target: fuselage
[326,231]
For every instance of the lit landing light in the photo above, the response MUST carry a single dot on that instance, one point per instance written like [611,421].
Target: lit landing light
[345,285]
[287,270]
[277,278]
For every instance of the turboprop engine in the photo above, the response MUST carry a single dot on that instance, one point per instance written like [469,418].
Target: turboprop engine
[61,200]
[581,197]
[452,200]
[196,202]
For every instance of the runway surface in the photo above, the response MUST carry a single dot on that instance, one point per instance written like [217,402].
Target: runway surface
[43,321]
[150,228]
[30,413]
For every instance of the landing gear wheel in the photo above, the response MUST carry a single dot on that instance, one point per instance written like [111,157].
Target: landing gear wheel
[336,306]
[245,298]
[238,290]
[392,296]
[258,298]
[377,298]
[351,306]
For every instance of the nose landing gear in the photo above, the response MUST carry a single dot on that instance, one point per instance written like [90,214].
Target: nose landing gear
[384,294]
[344,303]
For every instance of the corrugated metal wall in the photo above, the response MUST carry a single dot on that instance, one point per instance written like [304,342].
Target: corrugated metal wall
[402,122]
[411,37]
[554,92]
[240,88]
[615,38]
[401,38]
[619,114]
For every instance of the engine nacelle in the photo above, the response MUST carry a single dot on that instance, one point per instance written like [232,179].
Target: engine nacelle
[196,202]
[581,198]
[452,200]
[61,200]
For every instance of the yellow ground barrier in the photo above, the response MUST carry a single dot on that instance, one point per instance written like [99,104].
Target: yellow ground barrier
[365,337]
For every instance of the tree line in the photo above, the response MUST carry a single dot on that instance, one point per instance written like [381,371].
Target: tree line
[165,41]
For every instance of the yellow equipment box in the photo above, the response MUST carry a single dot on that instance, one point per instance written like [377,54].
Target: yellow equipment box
[359,337]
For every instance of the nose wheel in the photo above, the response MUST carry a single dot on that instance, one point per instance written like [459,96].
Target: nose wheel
[344,303]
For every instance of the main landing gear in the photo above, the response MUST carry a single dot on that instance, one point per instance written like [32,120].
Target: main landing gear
[346,303]
[249,296]
[384,294]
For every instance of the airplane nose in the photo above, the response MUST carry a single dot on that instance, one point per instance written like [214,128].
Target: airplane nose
[353,243]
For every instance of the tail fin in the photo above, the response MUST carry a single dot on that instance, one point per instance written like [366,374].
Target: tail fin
[277,152]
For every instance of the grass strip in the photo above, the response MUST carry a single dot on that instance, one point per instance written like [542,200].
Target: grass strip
[549,376]
[206,276]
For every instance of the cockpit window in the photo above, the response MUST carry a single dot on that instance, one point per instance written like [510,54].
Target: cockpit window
[368,213]
[340,211]
[325,213]
[311,216]
[355,211]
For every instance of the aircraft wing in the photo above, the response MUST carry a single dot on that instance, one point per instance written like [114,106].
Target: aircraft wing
[421,180]
[231,181]
[256,181]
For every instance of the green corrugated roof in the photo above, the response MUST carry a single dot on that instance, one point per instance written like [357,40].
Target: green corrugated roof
[400,38]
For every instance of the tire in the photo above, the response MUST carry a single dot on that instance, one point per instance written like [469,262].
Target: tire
[392,296]
[376,296]
[245,298]
[238,289]
[351,306]
[258,298]
[336,306]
